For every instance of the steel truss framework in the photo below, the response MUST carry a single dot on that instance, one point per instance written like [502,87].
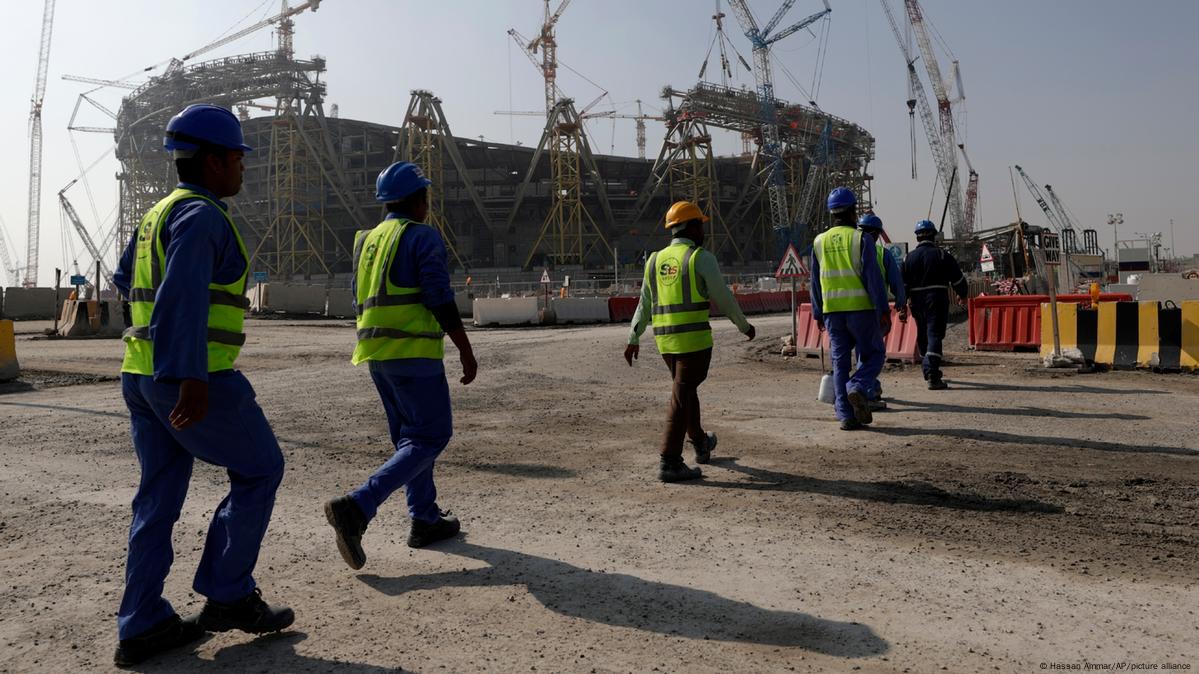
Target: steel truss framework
[570,234]
[820,150]
[425,139]
[288,224]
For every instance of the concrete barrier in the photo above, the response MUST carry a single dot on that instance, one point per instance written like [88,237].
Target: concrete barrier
[581,310]
[1163,287]
[286,298]
[1124,335]
[9,368]
[340,303]
[30,303]
[91,318]
[465,302]
[505,311]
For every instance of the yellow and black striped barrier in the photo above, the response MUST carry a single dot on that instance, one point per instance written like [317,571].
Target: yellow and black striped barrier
[9,369]
[1155,335]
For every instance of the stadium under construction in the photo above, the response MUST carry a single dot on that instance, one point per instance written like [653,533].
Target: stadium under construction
[310,183]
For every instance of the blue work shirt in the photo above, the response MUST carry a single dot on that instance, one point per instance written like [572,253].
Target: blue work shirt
[932,268]
[420,261]
[200,249]
[872,278]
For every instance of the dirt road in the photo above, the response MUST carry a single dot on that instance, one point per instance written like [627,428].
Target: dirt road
[1022,518]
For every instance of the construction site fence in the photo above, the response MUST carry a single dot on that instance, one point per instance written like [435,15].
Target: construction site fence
[1162,336]
[1013,322]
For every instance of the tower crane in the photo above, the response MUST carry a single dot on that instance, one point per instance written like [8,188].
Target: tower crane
[546,42]
[13,272]
[283,18]
[762,39]
[1069,240]
[1050,215]
[35,148]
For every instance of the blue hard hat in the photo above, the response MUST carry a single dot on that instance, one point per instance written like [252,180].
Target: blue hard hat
[841,199]
[204,124]
[925,226]
[398,181]
[870,221]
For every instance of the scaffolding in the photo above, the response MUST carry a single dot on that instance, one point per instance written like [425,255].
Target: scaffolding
[820,150]
[569,235]
[426,141]
[293,236]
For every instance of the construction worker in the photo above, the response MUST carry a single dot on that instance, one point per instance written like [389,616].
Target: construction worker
[679,282]
[405,309]
[184,273]
[893,277]
[850,300]
[929,272]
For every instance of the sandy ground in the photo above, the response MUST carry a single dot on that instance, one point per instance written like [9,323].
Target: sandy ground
[1021,520]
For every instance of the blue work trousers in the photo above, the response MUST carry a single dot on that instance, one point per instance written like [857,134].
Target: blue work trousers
[421,424]
[930,308]
[849,330]
[234,435]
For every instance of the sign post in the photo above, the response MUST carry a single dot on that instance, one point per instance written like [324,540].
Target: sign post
[545,283]
[792,267]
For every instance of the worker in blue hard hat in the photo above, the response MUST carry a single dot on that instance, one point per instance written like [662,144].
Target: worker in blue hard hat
[405,309]
[893,277]
[184,273]
[849,299]
[930,272]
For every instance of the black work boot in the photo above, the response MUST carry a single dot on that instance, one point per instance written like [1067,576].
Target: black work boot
[703,451]
[861,407]
[349,523]
[851,425]
[427,533]
[248,614]
[674,470]
[937,384]
[166,635]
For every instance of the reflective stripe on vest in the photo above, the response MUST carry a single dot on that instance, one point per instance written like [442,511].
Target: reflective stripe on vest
[839,254]
[227,303]
[392,322]
[680,310]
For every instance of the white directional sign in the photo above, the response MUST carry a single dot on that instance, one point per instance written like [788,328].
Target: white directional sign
[792,265]
[987,262]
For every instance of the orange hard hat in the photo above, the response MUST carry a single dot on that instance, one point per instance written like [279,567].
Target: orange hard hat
[681,212]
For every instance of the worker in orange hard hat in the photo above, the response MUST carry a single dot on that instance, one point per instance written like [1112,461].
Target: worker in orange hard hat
[680,281]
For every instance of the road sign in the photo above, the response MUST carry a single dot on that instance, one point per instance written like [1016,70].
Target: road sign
[545,276]
[260,277]
[988,262]
[792,265]
[78,280]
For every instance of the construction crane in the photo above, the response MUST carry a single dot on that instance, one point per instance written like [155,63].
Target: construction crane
[548,45]
[283,18]
[88,243]
[14,273]
[640,118]
[962,225]
[943,156]
[762,39]
[1069,240]
[1052,217]
[35,148]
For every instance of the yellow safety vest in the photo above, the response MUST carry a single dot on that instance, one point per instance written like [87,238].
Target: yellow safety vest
[839,253]
[680,310]
[392,322]
[227,303]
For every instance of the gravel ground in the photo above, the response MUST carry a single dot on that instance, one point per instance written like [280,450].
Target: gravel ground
[1023,517]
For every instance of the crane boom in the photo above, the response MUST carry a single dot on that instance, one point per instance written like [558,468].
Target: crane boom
[281,16]
[35,148]
[88,243]
[1040,199]
[7,261]
[104,83]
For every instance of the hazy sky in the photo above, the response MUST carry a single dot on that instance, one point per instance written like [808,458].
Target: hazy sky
[1096,97]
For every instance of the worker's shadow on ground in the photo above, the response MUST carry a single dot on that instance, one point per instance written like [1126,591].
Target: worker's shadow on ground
[268,653]
[910,493]
[623,600]
[1072,388]
[923,406]
[1032,441]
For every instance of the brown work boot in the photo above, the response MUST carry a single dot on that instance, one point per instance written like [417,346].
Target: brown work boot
[674,470]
